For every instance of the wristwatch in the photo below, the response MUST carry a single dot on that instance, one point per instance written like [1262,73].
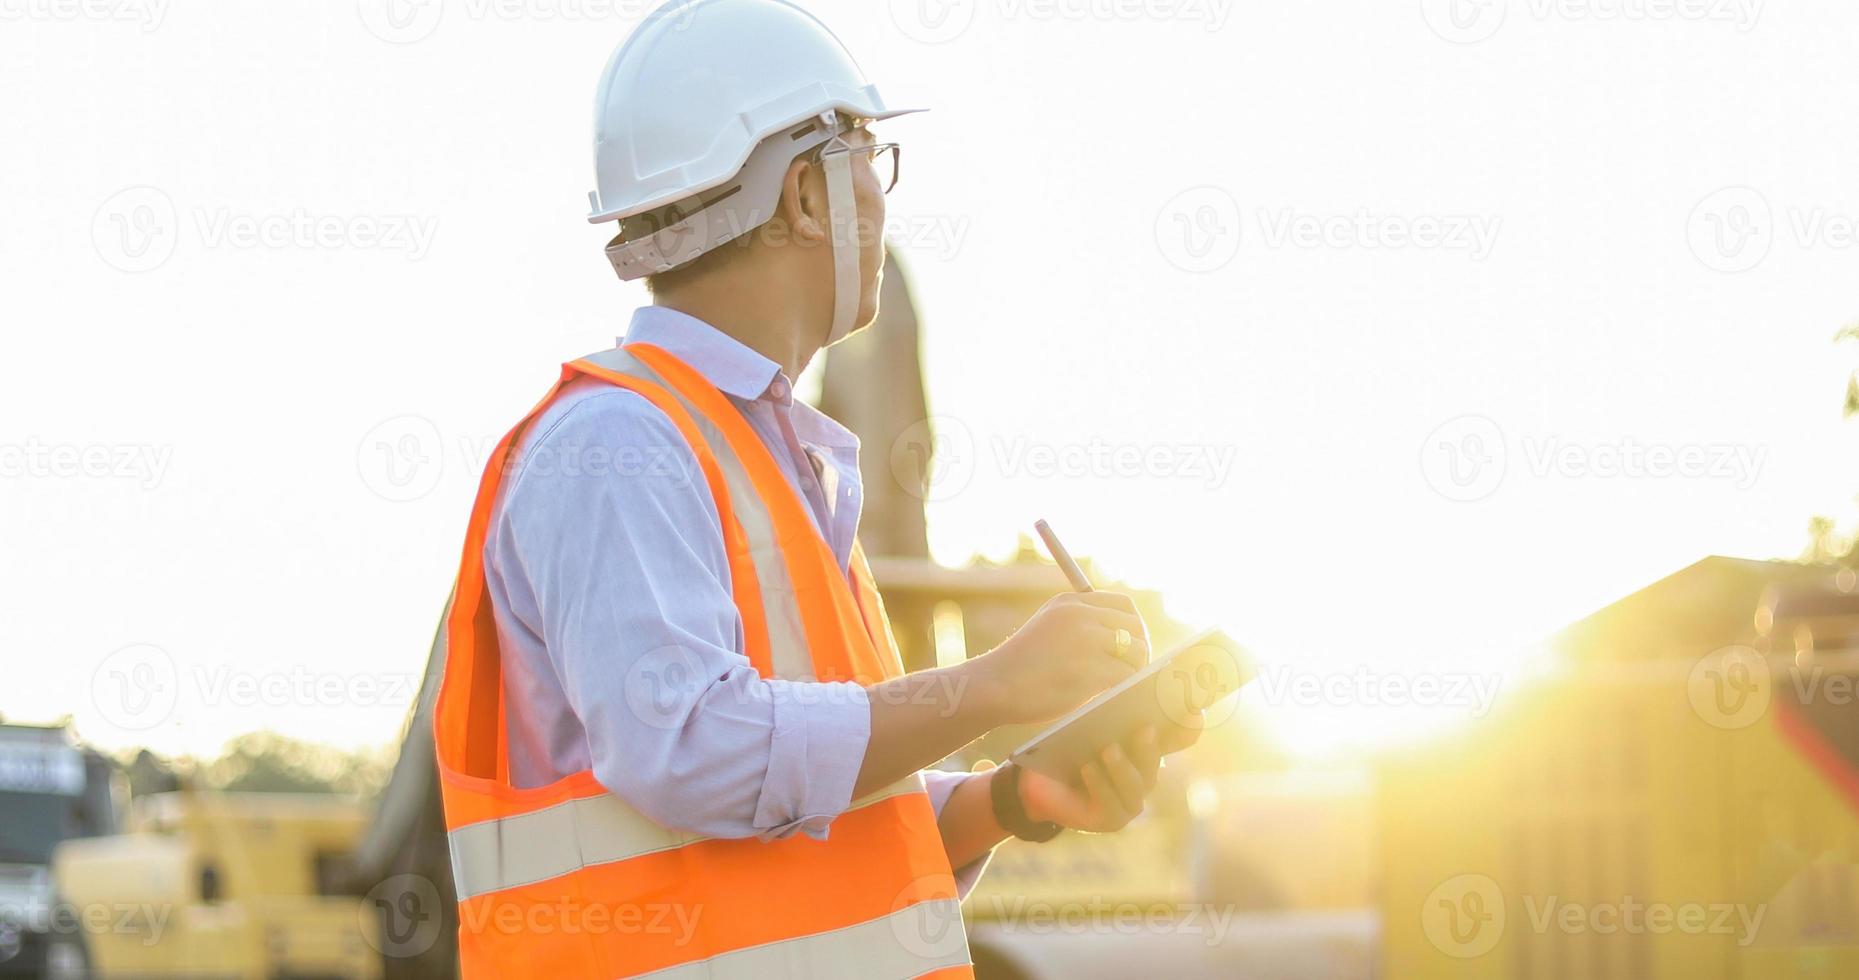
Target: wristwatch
[1004,790]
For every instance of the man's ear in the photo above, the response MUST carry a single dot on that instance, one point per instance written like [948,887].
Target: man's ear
[803,201]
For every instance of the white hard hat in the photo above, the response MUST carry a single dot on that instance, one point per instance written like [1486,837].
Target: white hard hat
[705,93]
[698,84]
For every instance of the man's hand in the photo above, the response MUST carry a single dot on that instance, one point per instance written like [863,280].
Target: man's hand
[1113,786]
[1064,656]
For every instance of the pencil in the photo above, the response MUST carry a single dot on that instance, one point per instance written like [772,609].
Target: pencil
[1073,573]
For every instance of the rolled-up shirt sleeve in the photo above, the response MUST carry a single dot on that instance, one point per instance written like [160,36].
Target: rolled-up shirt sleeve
[609,545]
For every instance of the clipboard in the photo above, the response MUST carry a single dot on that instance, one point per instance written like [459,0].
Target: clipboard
[1171,689]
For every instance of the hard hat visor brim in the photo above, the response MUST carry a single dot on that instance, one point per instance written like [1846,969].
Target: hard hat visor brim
[864,115]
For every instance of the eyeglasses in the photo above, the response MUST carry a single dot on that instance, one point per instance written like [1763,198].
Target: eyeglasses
[881,155]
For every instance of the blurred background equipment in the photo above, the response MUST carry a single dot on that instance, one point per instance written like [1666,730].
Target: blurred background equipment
[248,885]
[51,791]
[873,384]
[1680,799]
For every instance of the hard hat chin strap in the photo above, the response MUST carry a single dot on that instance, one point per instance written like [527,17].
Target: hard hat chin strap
[842,220]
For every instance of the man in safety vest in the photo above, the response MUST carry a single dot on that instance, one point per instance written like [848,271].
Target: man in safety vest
[674,735]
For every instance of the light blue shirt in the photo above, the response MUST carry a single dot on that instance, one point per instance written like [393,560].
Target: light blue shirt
[605,549]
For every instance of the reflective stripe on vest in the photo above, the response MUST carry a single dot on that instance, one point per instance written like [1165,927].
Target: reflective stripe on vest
[493,855]
[568,880]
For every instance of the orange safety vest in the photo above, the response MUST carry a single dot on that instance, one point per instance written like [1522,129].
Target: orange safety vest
[567,880]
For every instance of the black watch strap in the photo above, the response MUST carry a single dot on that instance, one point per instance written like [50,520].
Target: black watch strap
[1004,789]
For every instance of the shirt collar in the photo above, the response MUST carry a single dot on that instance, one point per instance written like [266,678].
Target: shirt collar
[736,369]
[723,360]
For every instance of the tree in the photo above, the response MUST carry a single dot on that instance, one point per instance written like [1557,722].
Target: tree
[1850,332]
[1825,543]
[266,762]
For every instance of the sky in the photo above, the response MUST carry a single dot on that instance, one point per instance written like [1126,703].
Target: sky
[1388,336]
